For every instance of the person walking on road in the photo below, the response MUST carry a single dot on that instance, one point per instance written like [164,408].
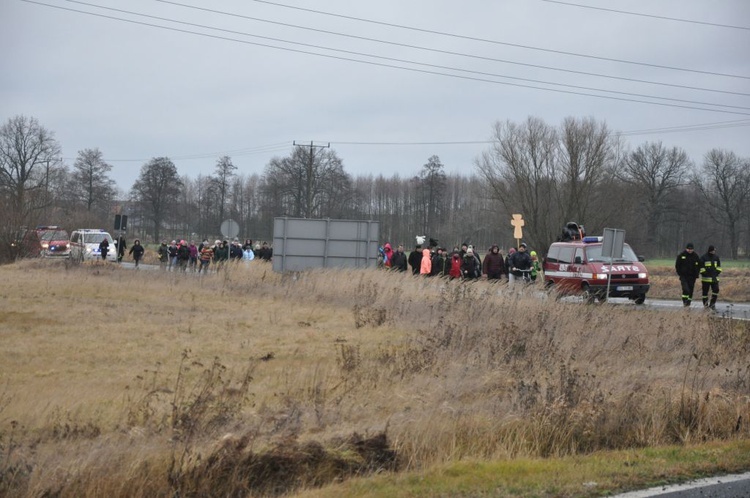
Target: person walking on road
[688,268]
[136,250]
[104,249]
[710,269]
[121,246]
[520,261]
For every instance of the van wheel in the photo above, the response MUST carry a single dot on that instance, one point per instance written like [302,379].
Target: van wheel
[549,287]
[640,299]
[588,296]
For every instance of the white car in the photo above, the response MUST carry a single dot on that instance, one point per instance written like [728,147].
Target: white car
[84,245]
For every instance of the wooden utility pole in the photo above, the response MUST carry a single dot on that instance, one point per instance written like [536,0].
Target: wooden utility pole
[310,177]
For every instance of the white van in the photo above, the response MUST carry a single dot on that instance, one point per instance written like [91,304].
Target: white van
[84,244]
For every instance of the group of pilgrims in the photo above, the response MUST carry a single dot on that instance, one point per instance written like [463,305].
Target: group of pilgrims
[462,263]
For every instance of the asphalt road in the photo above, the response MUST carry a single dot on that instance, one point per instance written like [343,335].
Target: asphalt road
[731,486]
[727,310]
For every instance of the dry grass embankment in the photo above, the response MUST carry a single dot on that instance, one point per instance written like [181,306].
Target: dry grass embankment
[140,383]
[734,285]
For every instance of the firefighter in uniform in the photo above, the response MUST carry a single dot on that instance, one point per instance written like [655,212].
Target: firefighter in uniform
[710,269]
[688,269]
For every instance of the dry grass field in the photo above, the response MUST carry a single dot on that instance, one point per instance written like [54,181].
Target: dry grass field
[124,383]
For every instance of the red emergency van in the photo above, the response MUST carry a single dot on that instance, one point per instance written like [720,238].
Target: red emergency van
[577,267]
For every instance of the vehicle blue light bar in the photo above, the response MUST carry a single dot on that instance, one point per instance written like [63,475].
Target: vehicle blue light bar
[592,239]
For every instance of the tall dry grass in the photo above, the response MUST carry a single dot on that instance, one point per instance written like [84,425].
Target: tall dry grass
[734,284]
[116,382]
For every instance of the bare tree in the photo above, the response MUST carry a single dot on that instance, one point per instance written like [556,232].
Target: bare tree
[430,185]
[27,152]
[89,181]
[221,181]
[29,155]
[308,183]
[157,189]
[520,171]
[586,158]
[724,184]
[656,172]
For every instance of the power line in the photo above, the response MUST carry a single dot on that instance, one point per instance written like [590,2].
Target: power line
[280,146]
[466,142]
[429,49]
[568,92]
[648,15]
[248,151]
[697,127]
[496,42]
[392,59]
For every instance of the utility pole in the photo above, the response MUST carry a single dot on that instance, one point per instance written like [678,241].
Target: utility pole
[310,177]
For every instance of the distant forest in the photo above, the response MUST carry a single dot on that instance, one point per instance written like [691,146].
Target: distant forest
[578,171]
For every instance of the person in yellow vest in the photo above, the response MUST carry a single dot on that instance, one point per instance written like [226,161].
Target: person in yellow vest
[710,269]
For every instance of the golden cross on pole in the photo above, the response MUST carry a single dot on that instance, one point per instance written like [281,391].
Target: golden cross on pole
[517,223]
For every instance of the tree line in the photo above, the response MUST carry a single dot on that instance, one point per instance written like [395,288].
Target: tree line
[578,171]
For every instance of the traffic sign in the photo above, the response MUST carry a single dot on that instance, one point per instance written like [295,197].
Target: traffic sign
[230,229]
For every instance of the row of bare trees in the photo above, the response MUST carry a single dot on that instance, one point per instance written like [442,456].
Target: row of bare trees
[583,172]
[578,171]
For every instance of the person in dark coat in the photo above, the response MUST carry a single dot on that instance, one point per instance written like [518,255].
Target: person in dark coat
[519,260]
[104,248]
[688,268]
[121,246]
[470,268]
[136,250]
[399,259]
[494,264]
[265,253]
[415,259]
[710,269]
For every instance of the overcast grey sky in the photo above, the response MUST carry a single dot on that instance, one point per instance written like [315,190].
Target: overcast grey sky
[242,80]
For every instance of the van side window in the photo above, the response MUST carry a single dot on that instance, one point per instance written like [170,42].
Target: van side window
[553,254]
[566,254]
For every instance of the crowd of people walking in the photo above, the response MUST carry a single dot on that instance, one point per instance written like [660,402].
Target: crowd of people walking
[180,255]
[463,262]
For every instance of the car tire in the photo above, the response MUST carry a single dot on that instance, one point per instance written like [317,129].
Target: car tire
[640,299]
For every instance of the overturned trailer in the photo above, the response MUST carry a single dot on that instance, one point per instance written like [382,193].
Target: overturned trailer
[302,243]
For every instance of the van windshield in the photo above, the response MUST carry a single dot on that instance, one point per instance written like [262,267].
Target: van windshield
[55,235]
[95,238]
[594,253]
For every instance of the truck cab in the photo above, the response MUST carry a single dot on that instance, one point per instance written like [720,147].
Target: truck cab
[578,267]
